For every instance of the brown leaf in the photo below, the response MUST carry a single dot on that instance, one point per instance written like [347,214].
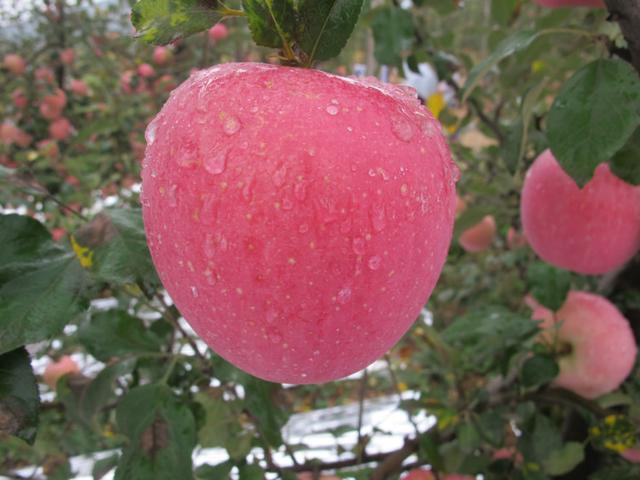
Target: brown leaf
[155,437]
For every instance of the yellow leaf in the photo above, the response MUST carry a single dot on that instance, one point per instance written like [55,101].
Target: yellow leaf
[537,66]
[84,254]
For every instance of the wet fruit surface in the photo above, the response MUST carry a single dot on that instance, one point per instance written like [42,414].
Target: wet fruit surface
[299,220]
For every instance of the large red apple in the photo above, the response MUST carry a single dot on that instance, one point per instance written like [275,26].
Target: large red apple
[298,219]
[571,3]
[596,344]
[592,230]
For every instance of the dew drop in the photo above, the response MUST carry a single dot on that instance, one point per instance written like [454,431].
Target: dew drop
[344,295]
[209,245]
[287,204]
[372,172]
[279,176]
[300,191]
[345,226]
[374,263]
[332,110]
[231,125]
[275,337]
[216,162]
[247,190]
[150,133]
[194,292]
[208,212]
[404,189]
[402,129]
[271,317]
[358,246]
[304,228]
[211,279]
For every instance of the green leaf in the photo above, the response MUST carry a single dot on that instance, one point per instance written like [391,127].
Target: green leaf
[487,336]
[115,333]
[41,283]
[626,162]
[393,34]
[565,459]
[515,42]
[222,427]
[272,22]
[163,21]
[502,10]
[251,472]
[19,399]
[548,285]
[161,432]
[209,472]
[120,248]
[539,370]
[260,402]
[468,437]
[491,426]
[593,116]
[326,25]
[104,466]
[540,439]
[471,215]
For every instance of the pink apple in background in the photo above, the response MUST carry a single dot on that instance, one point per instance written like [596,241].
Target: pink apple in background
[592,230]
[55,370]
[67,56]
[299,257]
[480,236]
[79,87]
[72,180]
[424,474]
[14,63]
[48,148]
[161,55]
[58,234]
[571,3]
[145,70]
[19,99]
[632,455]
[461,205]
[218,32]
[45,75]
[10,134]
[508,453]
[125,81]
[515,239]
[52,106]
[596,343]
[165,83]
[60,129]
[7,162]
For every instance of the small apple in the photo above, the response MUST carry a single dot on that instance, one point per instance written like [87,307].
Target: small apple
[145,70]
[424,474]
[60,128]
[67,56]
[218,32]
[515,239]
[161,55]
[19,99]
[58,234]
[55,370]
[48,148]
[480,236]
[45,75]
[15,63]
[79,87]
[592,230]
[52,106]
[632,454]
[595,343]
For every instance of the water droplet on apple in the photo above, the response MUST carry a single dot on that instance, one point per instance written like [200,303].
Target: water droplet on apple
[402,129]
[358,246]
[231,125]
[332,110]
[171,195]
[374,262]
[344,295]
[216,162]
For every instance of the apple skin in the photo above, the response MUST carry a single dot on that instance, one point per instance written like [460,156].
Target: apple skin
[52,106]
[515,239]
[592,230]
[67,56]
[632,455]
[145,70]
[299,220]
[480,236]
[14,63]
[19,98]
[218,32]
[571,3]
[603,348]
[55,370]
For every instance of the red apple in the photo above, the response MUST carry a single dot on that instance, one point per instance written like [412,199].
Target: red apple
[15,63]
[480,236]
[298,219]
[67,56]
[145,70]
[48,148]
[423,474]
[55,370]
[592,230]
[19,99]
[45,74]
[515,239]
[79,87]
[52,106]
[461,205]
[60,129]
[571,3]
[58,234]
[596,345]
[632,455]
[161,55]
[218,32]
[10,134]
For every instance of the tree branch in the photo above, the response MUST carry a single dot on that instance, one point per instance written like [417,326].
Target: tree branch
[627,14]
